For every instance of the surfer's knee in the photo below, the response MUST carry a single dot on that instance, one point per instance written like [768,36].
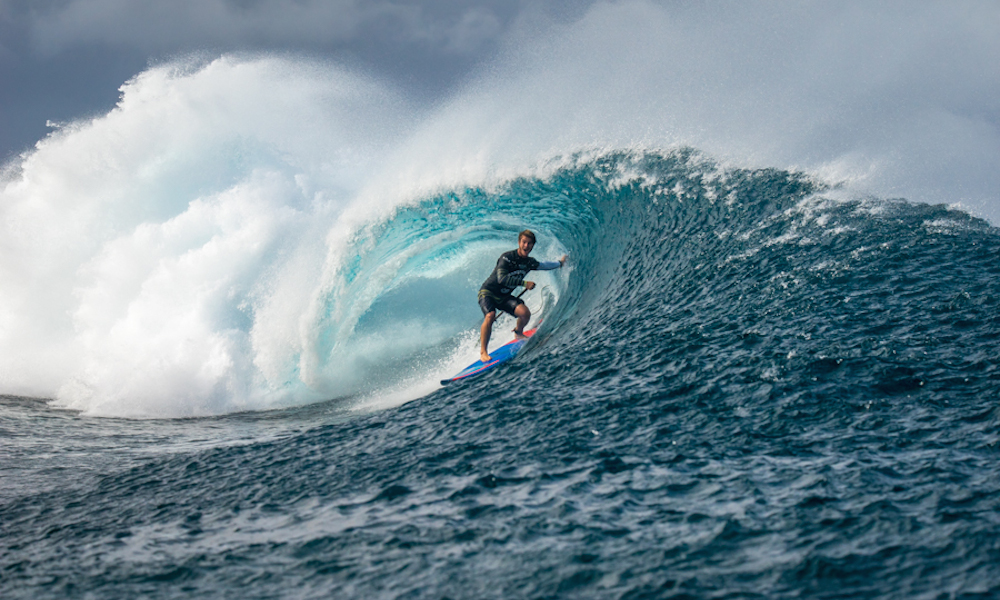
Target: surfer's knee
[522,310]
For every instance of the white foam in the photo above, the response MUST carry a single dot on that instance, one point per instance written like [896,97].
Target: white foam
[140,246]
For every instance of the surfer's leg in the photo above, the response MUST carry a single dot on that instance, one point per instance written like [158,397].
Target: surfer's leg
[523,316]
[484,335]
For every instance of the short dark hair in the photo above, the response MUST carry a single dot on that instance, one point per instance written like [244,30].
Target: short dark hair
[527,233]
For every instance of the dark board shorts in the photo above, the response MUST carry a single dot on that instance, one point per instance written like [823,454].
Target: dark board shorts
[488,302]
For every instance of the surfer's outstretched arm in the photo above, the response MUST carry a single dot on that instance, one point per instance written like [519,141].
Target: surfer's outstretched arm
[548,265]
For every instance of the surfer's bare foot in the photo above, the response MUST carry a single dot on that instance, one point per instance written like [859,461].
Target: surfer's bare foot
[484,357]
[520,336]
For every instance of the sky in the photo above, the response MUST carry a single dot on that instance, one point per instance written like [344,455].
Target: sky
[66,59]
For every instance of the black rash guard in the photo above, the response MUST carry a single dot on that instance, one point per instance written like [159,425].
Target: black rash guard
[510,272]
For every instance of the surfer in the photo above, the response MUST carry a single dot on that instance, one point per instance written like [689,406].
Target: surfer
[511,269]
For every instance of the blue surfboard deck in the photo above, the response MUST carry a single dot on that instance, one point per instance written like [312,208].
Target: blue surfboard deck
[497,357]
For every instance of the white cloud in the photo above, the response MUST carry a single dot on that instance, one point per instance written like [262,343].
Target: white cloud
[191,24]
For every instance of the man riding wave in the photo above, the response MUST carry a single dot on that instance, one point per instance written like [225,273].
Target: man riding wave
[512,267]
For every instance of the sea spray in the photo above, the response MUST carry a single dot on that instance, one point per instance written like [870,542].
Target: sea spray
[139,244]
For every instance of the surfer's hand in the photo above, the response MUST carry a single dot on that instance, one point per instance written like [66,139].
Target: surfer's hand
[529,285]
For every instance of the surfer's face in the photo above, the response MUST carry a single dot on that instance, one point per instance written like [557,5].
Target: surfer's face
[524,245]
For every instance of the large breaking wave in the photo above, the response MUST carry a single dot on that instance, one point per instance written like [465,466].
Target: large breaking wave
[255,232]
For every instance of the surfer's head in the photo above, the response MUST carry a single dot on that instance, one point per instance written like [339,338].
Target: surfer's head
[525,242]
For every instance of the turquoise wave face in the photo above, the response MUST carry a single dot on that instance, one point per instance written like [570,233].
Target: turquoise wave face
[754,283]
[406,301]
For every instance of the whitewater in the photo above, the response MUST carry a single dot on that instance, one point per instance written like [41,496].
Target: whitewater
[769,369]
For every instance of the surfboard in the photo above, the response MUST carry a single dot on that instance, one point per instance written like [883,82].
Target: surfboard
[497,357]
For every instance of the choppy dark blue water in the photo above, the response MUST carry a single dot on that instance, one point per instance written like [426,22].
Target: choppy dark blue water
[746,389]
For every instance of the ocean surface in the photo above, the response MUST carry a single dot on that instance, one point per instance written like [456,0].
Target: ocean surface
[741,387]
